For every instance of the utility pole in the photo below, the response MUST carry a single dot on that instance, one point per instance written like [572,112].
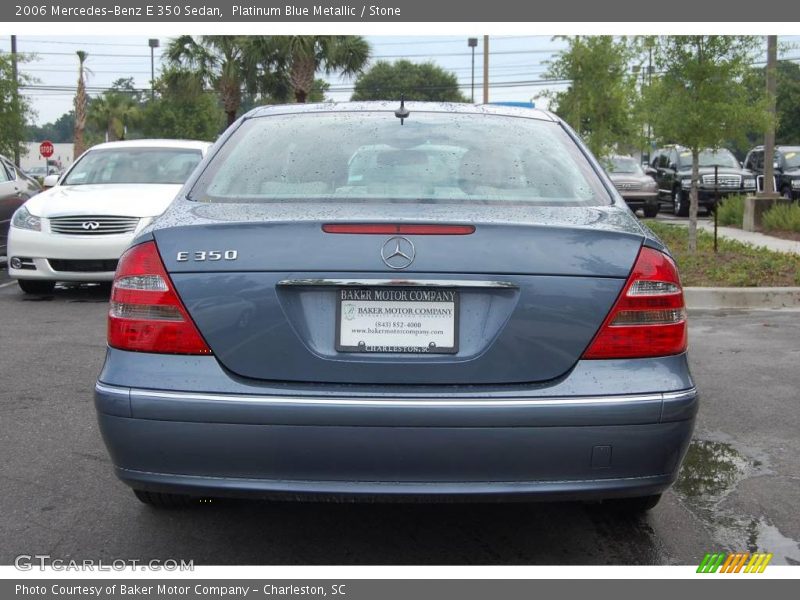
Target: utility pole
[15,96]
[769,137]
[486,69]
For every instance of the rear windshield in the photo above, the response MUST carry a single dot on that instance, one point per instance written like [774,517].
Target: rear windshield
[371,157]
[134,165]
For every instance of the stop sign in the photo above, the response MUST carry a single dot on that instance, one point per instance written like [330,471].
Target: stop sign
[46,148]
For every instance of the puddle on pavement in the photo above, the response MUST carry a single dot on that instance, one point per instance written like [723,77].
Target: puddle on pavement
[710,472]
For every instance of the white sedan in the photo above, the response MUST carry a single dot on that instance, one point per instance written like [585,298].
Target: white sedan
[78,229]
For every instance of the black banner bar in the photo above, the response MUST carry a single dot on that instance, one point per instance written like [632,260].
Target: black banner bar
[732,587]
[396,11]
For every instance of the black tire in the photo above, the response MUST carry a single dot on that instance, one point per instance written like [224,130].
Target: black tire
[786,192]
[680,203]
[161,500]
[632,506]
[35,286]
[650,210]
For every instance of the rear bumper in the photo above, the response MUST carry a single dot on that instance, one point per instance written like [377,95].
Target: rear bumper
[266,445]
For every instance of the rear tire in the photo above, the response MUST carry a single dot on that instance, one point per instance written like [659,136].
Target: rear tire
[162,500]
[632,506]
[34,286]
[786,192]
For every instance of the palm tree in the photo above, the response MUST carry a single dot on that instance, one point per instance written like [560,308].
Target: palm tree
[112,112]
[81,100]
[301,56]
[220,62]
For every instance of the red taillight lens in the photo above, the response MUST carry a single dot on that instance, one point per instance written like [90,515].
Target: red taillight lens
[146,314]
[649,317]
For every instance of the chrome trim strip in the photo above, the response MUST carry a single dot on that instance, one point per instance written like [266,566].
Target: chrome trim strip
[400,282]
[113,390]
[689,394]
[410,403]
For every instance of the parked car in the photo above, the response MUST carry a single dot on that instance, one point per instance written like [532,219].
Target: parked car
[40,172]
[672,169]
[15,188]
[77,230]
[787,169]
[434,301]
[638,189]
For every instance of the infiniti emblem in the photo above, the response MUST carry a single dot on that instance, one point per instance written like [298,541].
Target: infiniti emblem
[397,253]
[91,225]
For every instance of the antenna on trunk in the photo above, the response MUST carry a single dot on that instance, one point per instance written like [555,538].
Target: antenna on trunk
[402,112]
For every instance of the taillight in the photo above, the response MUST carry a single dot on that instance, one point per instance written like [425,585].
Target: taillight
[649,317]
[146,314]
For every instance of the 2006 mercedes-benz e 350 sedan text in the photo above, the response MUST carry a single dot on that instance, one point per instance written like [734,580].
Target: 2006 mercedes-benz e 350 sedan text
[356,300]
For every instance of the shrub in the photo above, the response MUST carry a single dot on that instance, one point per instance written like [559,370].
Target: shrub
[731,211]
[782,217]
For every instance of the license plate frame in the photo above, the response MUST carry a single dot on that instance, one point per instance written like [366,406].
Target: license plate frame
[411,296]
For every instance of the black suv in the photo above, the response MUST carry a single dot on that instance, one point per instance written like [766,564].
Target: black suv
[671,167]
[787,169]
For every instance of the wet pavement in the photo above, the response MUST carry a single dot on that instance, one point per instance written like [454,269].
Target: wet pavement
[739,488]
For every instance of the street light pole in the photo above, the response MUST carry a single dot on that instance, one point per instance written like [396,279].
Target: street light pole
[486,69]
[153,43]
[472,43]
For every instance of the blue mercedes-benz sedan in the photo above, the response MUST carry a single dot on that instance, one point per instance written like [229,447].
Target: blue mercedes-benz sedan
[421,301]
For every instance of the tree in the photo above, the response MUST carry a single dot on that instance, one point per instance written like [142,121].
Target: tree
[699,100]
[424,81]
[219,61]
[182,109]
[600,100]
[15,109]
[59,131]
[279,94]
[81,101]
[297,58]
[113,112]
[788,100]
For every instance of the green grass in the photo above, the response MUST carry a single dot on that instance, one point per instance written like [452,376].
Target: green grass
[731,211]
[782,217]
[735,265]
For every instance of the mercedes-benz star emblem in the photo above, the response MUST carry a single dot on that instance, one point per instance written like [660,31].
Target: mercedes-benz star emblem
[397,253]
[87,225]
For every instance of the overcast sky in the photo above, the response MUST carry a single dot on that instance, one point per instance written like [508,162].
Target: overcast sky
[516,62]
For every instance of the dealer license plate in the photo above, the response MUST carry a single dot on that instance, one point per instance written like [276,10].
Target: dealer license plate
[397,320]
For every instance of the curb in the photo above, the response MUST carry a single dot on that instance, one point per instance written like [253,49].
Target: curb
[718,298]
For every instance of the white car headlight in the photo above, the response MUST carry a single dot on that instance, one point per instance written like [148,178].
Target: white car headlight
[749,183]
[686,183]
[23,219]
[796,184]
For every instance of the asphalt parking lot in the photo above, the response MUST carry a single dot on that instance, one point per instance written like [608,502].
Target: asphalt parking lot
[739,489]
